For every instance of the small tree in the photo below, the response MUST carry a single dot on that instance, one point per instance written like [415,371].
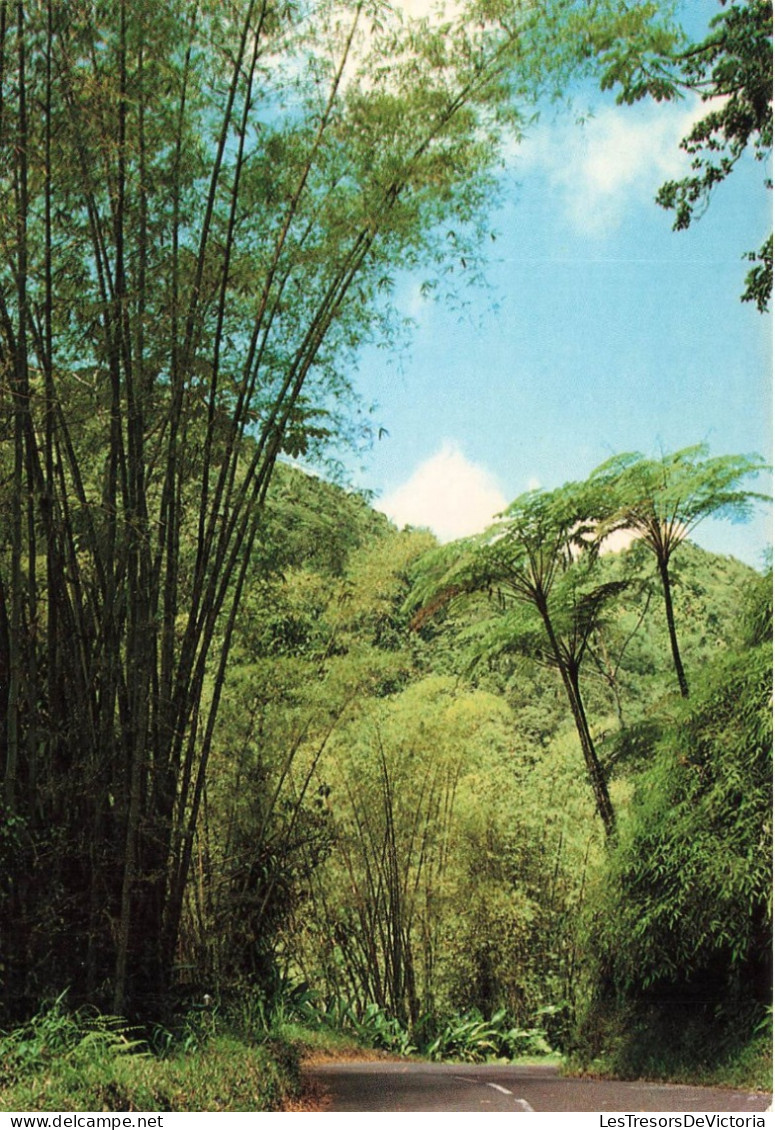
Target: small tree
[539,567]
[663,500]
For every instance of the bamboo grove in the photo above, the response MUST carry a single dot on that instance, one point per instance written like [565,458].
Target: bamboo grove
[203,205]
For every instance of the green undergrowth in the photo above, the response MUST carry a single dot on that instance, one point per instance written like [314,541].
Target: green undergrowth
[64,1061]
[300,1013]
[243,1054]
[661,1049]
[216,1059]
[314,1043]
[745,1069]
[468,1037]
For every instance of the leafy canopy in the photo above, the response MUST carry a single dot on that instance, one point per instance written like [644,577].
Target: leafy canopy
[665,499]
[538,564]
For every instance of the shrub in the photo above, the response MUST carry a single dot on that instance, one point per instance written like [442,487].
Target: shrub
[472,1039]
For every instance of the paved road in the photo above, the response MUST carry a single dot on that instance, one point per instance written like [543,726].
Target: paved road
[410,1086]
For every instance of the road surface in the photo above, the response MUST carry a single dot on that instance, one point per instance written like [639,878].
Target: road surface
[414,1086]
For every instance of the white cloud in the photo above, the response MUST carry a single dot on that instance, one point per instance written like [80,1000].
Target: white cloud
[435,10]
[622,153]
[618,540]
[447,493]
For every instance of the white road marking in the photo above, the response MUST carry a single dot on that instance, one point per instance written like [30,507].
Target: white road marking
[523,1104]
[497,1087]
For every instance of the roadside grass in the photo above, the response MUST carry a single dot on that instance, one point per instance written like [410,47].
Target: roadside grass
[320,1044]
[660,1049]
[227,1075]
[749,1069]
[80,1062]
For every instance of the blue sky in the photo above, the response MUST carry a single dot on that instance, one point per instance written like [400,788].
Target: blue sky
[601,331]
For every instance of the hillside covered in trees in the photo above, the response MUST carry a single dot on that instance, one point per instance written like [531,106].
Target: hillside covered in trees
[399,834]
[401,822]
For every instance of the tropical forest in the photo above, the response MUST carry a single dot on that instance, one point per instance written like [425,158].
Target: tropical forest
[282,778]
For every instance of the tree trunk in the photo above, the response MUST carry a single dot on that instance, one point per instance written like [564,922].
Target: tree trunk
[679,668]
[594,768]
[570,678]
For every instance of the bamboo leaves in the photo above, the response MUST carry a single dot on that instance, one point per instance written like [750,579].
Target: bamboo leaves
[204,208]
[178,270]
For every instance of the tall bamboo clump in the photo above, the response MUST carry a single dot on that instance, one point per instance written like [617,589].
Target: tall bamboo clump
[202,205]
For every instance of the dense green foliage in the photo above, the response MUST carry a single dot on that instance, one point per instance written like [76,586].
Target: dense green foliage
[540,567]
[430,858]
[682,920]
[400,844]
[259,748]
[83,1061]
